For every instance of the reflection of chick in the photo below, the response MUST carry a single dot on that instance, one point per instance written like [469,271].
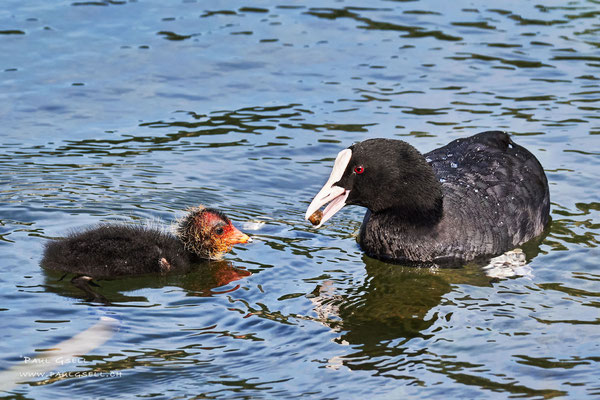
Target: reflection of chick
[114,250]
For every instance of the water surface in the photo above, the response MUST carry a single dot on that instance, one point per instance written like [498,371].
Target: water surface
[135,110]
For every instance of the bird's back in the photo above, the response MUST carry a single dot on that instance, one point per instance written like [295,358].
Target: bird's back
[495,197]
[115,250]
[495,192]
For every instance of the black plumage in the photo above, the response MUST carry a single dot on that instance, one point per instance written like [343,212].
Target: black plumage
[477,196]
[111,250]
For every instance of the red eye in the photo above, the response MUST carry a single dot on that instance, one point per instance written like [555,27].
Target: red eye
[359,169]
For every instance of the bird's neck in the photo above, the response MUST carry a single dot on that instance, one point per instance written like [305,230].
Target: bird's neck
[416,199]
[416,213]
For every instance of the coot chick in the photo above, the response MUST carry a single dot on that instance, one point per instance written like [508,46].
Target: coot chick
[477,196]
[115,250]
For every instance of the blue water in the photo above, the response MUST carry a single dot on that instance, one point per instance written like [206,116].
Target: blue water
[135,110]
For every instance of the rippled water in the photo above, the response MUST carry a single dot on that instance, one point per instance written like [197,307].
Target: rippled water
[135,110]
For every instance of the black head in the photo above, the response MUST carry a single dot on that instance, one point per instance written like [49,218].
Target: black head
[382,174]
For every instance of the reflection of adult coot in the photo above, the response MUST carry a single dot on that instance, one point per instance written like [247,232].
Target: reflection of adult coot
[392,303]
[392,306]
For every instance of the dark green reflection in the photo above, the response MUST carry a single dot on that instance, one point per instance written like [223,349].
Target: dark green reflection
[391,303]
[350,12]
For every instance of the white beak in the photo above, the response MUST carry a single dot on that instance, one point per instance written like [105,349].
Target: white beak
[330,192]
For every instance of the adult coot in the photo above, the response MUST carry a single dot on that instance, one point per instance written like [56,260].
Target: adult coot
[477,196]
[114,250]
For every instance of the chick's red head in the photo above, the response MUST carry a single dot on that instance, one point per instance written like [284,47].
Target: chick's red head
[209,233]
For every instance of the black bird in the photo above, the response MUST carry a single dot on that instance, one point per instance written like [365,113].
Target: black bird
[115,250]
[477,196]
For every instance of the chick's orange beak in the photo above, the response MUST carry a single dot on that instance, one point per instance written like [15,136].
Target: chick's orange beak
[235,236]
